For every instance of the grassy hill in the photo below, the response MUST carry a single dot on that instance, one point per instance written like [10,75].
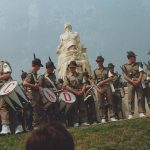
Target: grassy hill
[122,135]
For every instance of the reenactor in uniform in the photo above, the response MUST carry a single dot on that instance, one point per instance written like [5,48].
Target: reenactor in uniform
[60,83]
[31,82]
[146,81]
[118,93]
[48,80]
[102,79]
[73,82]
[133,73]
[89,98]
[5,76]
[27,112]
[23,76]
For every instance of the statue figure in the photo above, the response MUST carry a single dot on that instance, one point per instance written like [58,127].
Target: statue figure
[71,49]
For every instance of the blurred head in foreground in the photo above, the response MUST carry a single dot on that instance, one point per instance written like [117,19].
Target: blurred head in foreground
[52,136]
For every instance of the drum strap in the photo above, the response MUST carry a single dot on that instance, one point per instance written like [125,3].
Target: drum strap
[52,83]
[34,78]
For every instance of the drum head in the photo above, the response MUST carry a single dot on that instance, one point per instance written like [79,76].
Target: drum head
[67,97]
[50,96]
[8,88]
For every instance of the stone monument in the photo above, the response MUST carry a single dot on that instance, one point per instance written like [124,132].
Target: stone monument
[69,49]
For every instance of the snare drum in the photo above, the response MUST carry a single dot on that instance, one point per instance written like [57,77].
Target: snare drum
[48,95]
[66,100]
[13,95]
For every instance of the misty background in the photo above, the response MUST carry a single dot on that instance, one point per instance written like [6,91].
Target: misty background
[106,27]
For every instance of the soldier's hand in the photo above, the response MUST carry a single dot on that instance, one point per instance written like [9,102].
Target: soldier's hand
[95,86]
[102,91]
[36,86]
[79,93]
[64,87]
[101,84]
[93,83]
[88,86]
[135,83]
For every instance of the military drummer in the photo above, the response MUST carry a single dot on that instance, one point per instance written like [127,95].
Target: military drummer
[74,83]
[5,76]
[48,80]
[31,82]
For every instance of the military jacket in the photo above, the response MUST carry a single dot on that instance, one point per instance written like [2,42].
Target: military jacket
[100,74]
[46,79]
[145,78]
[32,78]
[74,80]
[132,70]
[117,81]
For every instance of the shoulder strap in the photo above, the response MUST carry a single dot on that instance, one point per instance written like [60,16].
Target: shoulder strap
[33,77]
[52,83]
[95,74]
[124,69]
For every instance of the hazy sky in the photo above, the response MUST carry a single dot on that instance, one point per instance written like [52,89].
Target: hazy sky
[107,27]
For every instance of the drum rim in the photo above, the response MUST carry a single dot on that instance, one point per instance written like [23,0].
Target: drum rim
[5,85]
[52,93]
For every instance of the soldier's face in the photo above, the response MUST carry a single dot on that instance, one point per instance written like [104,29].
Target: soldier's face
[72,69]
[111,70]
[37,67]
[50,70]
[132,59]
[100,63]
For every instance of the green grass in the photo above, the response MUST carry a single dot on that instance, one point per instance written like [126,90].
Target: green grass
[123,135]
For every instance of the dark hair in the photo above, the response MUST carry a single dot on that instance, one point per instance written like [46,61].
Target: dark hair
[60,81]
[23,75]
[52,136]
[130,57]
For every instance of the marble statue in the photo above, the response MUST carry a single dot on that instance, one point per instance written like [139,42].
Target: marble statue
[70,48]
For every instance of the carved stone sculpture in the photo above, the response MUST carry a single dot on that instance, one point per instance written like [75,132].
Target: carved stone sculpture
[70,48]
